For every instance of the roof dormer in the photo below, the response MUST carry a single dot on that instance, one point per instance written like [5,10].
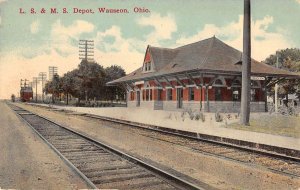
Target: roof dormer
[148,65]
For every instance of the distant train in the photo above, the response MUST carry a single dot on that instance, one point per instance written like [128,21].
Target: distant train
[26,94]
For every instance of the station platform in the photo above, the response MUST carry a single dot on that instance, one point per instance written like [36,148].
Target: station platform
[180,123]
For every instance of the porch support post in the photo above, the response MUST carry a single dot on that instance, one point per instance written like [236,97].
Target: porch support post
[206,97]
[201,79]
[265,95]
[200,89]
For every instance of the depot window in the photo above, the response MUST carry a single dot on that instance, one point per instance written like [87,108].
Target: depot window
[143,95]
[169,94]
[254,95]
[191,94]
[131,96]
[147,66]
[159,94]
[147,95]
[236,94]
[218,94]
[150,94]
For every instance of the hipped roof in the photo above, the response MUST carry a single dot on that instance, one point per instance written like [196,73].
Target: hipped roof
[209,55]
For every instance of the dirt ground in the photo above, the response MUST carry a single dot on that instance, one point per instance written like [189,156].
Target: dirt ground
[218,173]
[26,162]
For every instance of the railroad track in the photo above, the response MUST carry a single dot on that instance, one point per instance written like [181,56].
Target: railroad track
[99,164]
[276,163]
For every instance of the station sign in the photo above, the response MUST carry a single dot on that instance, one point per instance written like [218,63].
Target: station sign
[139,82]
[257,78]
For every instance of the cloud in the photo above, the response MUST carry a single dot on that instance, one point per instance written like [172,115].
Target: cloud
[64,39]
[35,27]
[113,48]
[298,1]
[264,42]
[164,27]
[121,52]
[61,50]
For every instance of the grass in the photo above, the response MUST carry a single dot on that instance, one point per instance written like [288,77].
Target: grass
[272,124]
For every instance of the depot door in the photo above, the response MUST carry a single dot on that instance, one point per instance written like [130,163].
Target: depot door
[179,97]
[138,99]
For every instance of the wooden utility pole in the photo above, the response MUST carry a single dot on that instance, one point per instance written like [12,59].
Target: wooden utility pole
[86,50]
[43,77]
[52,72]
[246,65]
[276,89]
[86,53]
[35,82]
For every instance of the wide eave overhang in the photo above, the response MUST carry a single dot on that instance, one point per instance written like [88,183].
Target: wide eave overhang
[153,76]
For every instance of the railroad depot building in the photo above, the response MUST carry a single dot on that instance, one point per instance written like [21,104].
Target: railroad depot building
[204,76]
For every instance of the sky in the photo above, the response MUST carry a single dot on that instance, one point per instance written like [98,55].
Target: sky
[30,43]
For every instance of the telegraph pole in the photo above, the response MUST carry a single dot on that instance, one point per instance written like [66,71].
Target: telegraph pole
[276,88]
[21,84]
[246,65]
[86,53]
[35,82]
[86,50]
[52,72]
[42,77]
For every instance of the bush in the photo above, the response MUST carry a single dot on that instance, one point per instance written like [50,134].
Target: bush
[218,117]
[191,114]
[291,111]
[199,116]
[183,115]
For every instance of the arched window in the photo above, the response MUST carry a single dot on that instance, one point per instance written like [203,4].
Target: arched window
[220,82]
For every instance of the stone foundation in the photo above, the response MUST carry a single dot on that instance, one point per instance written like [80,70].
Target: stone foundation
[212,106]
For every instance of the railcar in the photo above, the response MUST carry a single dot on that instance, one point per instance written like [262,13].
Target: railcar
[26,94]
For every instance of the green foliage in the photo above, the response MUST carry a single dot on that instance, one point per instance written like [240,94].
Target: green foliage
[289,59]
[199,116]
[112,73]
[218,117]
[13,98]
[54,87]
[89,80]
[191,114]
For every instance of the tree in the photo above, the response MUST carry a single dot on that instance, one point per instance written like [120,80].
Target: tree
[54,87]
[89,81]
[71,84]
[112,73]
[289,59]
[92,77]
[13,98]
